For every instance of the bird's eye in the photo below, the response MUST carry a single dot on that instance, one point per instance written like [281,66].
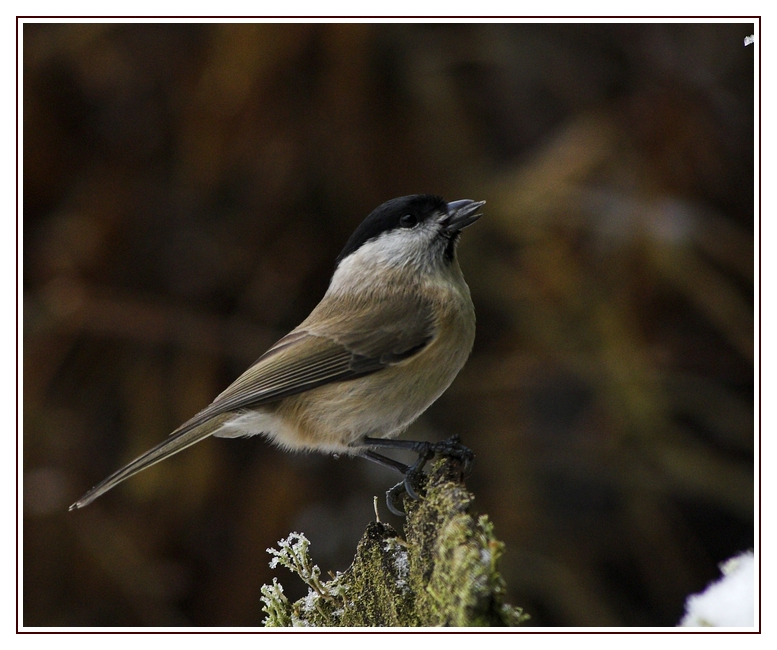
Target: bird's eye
[408,221]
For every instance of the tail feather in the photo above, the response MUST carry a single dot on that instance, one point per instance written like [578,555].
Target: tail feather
[184,437]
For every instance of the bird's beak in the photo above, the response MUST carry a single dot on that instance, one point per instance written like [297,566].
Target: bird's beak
[460,215]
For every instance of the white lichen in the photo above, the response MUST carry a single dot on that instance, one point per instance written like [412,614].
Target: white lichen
[401,562]
[309,602]
[276,605]
[485,557]
[292,553]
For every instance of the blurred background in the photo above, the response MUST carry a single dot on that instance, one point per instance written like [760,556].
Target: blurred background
[186,191]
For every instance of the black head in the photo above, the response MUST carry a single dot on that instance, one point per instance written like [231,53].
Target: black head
[403,212]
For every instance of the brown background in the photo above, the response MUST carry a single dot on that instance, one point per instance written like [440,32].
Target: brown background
[186,191]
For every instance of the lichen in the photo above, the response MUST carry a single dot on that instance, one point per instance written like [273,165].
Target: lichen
[324,600]
[276,605]
[445,573]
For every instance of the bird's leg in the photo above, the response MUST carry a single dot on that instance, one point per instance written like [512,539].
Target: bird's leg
[385,461]
[451,447]
[394,495]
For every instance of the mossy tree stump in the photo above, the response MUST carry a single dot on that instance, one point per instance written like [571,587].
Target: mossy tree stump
[444,573]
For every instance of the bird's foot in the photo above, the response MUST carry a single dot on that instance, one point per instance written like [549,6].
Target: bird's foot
[411,484]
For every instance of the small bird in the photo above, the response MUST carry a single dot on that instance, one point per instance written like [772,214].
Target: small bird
[389,336]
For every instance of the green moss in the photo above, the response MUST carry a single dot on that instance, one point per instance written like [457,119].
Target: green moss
[444,574]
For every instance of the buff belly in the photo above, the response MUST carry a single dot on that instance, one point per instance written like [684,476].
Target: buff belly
[336,416]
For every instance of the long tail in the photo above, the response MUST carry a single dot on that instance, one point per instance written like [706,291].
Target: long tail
[179,440]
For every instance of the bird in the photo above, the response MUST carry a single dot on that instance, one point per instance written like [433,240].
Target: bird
[394,328]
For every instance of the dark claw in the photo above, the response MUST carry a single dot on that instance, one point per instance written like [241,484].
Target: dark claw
[451,447]
[394,499]
[414,473]
[468,461]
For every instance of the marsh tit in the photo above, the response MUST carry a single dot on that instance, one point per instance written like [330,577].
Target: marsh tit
[389,336]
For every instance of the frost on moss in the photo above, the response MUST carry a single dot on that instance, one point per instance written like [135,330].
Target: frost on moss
[445,573]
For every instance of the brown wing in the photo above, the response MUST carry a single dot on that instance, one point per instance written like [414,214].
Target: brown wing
[326,349]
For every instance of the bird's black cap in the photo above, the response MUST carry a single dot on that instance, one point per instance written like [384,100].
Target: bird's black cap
[386,217]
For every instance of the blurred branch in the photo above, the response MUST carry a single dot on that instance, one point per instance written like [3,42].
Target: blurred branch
[712,293]
[694,470]
[67,305]
[552,181]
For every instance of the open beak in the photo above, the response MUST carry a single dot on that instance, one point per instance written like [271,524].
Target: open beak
[461,214]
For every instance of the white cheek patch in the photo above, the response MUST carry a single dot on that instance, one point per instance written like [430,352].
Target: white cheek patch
[400,247]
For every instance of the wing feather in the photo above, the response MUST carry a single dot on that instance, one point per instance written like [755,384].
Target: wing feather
[316,355]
